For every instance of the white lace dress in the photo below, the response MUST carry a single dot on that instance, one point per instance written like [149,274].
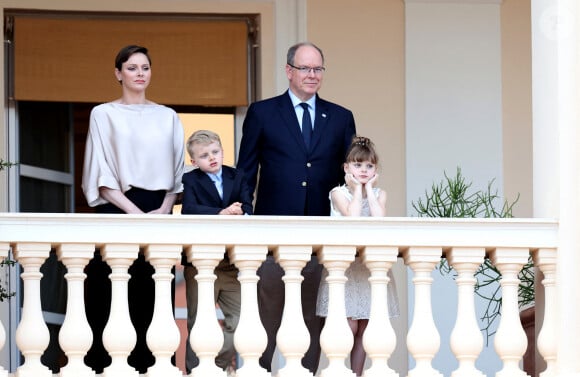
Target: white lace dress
[357,290]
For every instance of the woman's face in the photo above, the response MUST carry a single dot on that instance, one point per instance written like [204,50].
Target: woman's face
[135,73]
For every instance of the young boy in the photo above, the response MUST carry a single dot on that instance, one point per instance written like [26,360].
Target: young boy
[214,189]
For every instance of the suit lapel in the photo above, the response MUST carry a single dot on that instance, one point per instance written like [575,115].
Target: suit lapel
[207,184]
[227,184]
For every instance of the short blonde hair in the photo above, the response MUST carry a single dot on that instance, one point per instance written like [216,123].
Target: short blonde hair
[204,137]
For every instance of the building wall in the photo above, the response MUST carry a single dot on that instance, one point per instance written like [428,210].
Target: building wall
[421,90]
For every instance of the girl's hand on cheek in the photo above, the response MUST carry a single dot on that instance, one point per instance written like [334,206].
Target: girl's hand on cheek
[350,180]
[372,181]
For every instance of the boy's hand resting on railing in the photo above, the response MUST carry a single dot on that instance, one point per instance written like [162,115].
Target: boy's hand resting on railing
[234,209]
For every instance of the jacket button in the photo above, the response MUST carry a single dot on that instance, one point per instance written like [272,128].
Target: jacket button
[308,164]
[304,184]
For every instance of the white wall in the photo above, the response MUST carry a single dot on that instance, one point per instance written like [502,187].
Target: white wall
[453,119]
[453,94]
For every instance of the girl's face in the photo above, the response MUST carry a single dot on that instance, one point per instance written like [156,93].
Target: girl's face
[135,73]
[362,171]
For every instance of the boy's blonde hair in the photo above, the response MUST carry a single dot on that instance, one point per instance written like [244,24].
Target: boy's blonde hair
[204,137]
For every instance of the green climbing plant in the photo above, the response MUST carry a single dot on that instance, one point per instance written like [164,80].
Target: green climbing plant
[453,197]
[5,164]
[4,293]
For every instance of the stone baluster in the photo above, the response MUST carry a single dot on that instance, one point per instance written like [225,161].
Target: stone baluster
[250,338]
[379,339]
[163,334]
[336,338]
[466,338]
[119,335]
[423,340]
[75,336]
[510,339]
[293,338]
[4,251]
[206,337]
[32,336]
[546,260]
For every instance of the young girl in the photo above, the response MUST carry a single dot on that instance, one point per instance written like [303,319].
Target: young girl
[358,197]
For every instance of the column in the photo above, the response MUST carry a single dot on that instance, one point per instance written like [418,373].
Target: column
[379,339]
[466,338]
[32,336]
[75,336]
[119,335]
[163,334]
[250,337]
[423,340]
[510,339]
[568,76]
[206,336]
[4,250]
[336,339]
[547,339]
[293,338]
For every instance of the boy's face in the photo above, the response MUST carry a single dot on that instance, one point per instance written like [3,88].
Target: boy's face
[209,158]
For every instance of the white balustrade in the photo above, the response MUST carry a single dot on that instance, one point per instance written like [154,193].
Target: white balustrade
[250,338]
[247,240]
[379,339]
[423,340]
[119,335]
[4,251]
[32,336]
[510,339]
[206,337]
[545,260]
[293,338]
[466,338]
[75,336]
[336,339]
[163,334]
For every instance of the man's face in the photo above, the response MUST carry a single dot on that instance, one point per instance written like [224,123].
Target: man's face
[305,84]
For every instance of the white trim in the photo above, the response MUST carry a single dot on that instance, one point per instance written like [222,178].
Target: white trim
[46,174]
[272,230]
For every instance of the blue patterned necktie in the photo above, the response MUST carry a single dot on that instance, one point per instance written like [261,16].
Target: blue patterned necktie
[218,185]
[306,125]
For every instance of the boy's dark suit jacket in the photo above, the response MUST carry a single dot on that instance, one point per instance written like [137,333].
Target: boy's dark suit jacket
[200,196]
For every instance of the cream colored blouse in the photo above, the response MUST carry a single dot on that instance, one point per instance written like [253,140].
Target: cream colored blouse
[133,146]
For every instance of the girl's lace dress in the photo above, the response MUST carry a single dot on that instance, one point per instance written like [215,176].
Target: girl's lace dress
[357,290]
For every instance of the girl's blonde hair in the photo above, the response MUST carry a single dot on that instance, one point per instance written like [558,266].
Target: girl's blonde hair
[361,149]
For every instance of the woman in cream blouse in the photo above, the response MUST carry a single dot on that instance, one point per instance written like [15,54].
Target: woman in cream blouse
[133,164]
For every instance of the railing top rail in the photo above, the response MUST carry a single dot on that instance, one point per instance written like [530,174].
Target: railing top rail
[401,232]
